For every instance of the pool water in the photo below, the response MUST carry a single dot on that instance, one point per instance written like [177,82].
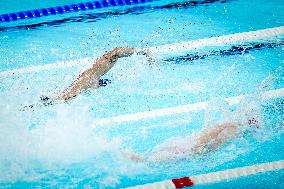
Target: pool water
[64,146]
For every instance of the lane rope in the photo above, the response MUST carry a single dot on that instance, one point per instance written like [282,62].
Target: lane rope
[278,93]
[252,36]
[214,177]
[65,9]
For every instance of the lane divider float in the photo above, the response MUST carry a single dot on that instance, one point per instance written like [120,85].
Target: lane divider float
[43,12]
[214,177]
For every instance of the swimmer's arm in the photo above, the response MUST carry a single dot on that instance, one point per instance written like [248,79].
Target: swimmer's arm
[120,52]
[212,138]
[90,77]
[87,79]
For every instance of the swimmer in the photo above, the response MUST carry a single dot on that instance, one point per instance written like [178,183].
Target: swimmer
[90,78]
[205,141]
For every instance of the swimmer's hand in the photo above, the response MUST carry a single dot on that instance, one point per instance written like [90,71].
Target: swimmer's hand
[150,57]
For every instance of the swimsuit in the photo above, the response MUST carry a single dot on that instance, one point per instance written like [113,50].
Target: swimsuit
[104,82]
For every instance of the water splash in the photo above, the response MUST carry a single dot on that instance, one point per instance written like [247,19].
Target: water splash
[63,144]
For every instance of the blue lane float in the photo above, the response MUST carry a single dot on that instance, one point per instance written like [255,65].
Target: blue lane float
[42,12]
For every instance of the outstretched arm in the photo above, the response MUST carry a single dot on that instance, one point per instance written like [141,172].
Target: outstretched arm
[203,142]
[207,140]
[90,77]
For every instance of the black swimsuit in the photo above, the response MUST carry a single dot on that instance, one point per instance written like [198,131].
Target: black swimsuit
[104,82]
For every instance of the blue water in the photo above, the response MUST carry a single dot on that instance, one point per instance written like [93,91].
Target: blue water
[57,146]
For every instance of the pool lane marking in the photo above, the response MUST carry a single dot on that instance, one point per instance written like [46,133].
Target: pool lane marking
[214,177]
[251,36]
[180,109]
